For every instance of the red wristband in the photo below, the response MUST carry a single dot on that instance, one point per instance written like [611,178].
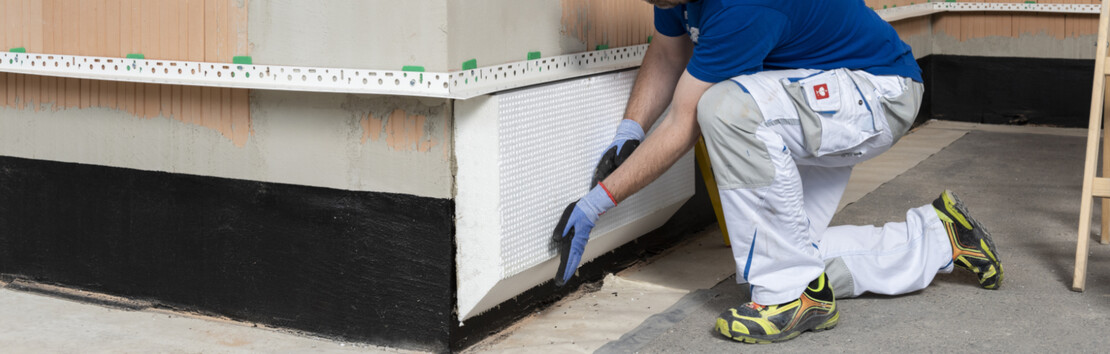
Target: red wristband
[607,193]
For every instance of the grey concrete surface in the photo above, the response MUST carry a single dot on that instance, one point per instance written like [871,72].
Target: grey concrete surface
[1025,189]
[35,323]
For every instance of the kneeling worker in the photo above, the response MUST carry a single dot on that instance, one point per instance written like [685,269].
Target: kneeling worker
[789,95]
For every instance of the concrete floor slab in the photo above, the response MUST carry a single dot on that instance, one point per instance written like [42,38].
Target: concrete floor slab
[35,323]
[699,263]
[907,153]
[585,320]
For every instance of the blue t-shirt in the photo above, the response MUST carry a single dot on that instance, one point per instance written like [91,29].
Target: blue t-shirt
[736,37]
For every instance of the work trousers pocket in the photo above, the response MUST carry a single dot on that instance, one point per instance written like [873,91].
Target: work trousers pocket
[834,115]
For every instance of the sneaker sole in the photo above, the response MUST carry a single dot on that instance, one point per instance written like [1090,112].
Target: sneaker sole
[951,201]
[829,323]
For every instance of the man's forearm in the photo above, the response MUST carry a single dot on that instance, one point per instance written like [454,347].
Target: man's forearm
[663,64]
[673,138]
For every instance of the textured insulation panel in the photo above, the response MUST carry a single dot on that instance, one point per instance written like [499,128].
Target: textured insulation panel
[550,140]
[524,155]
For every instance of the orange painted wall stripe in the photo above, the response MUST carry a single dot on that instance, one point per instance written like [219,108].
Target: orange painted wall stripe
[972,25]
[196,30]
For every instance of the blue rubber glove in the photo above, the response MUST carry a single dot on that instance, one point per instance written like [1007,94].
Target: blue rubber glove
[629,135]
[573,230]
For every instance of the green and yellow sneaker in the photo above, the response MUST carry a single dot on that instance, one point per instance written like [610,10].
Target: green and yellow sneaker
[972,248]
[815,310]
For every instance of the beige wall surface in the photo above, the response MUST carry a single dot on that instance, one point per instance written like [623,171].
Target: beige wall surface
[351,142]
[363,34]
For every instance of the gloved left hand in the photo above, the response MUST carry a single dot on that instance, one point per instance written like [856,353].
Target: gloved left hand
[629,135]
[573,230]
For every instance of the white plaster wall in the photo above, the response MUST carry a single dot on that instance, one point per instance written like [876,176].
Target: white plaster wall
[312,139]
[363,34]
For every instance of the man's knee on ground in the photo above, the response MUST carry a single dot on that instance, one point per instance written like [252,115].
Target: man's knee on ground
[729,118]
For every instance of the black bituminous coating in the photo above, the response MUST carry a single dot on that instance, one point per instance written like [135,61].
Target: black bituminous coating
[999,90]
[374,267]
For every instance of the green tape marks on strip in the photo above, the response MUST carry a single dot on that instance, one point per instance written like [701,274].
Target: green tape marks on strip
[18,50]
[136,56]
[602,47]
[242,59]
[533,55]
[417,69]
[470,64]
[649,39]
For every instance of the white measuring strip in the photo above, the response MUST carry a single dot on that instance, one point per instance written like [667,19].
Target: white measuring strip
[456,84]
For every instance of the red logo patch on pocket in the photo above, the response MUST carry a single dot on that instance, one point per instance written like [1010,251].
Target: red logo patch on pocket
[821,91]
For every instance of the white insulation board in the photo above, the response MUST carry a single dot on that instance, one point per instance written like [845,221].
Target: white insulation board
[524,155]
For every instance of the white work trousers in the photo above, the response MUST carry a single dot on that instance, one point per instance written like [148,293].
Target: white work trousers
[782,145]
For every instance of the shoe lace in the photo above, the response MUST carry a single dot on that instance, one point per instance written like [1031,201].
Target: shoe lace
[754,306]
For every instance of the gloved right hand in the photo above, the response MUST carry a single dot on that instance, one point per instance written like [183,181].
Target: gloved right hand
[629,135]
[573,230]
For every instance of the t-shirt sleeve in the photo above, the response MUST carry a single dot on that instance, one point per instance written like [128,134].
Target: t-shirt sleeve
[668,22]
[735,41]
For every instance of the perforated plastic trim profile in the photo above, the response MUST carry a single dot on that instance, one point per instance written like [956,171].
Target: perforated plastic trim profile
[461,84]
[271,77]
[1020,7]
[904,12]
[476,82]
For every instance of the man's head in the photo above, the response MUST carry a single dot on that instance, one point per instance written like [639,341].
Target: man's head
[666,4]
